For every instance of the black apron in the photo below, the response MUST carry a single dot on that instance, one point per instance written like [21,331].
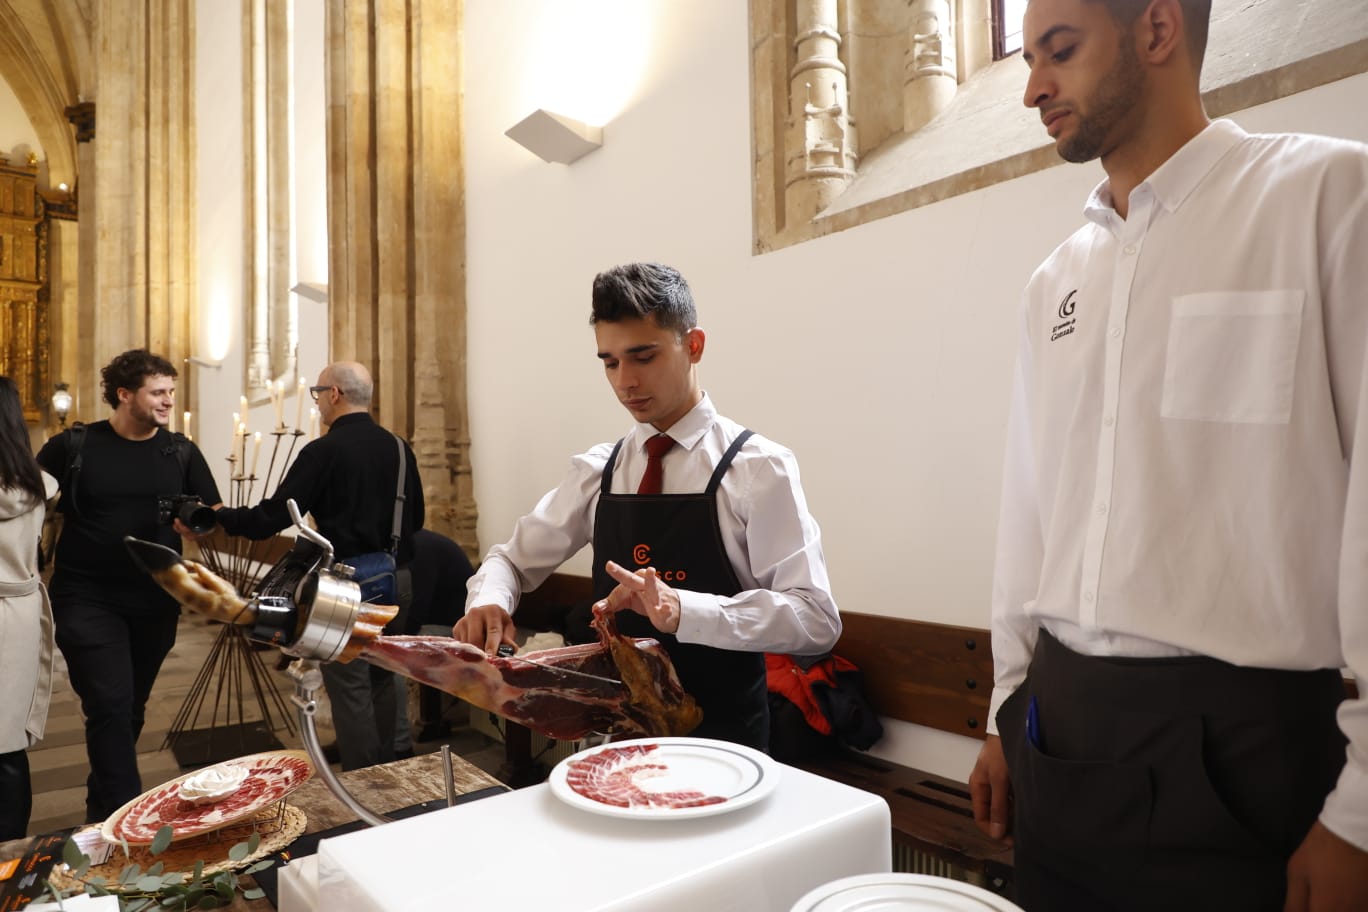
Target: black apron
[679,536]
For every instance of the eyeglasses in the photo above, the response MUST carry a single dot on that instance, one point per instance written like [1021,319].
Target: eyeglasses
[315,390]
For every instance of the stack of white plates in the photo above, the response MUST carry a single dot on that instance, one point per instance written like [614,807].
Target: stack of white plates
[901,893]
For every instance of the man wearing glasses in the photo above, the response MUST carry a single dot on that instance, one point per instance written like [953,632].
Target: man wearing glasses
[347,480]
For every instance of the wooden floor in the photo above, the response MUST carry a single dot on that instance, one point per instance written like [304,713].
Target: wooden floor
[59,765]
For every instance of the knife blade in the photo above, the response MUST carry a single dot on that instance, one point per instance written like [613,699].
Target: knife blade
[569,671]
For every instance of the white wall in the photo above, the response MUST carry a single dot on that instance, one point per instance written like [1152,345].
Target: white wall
[17,136]
[882,351]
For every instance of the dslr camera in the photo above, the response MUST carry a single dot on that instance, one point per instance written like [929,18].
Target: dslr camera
[189,509]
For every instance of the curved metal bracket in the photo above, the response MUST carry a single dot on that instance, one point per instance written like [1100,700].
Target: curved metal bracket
[308,678]
[311,534]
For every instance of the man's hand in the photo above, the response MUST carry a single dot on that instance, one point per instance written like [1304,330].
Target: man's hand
[1326,874]
[991,790]
[486,626]
[187,533]
[643,593]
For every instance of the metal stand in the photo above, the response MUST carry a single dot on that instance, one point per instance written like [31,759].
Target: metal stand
[213,722]
[308,678]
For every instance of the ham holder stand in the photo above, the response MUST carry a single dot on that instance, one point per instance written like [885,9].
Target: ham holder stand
[308,605]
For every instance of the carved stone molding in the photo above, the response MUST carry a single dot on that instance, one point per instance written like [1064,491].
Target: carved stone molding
[82,117]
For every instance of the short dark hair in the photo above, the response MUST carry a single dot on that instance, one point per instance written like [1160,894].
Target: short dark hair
[637,291]
[130,370]
[1196,21]
[18,468]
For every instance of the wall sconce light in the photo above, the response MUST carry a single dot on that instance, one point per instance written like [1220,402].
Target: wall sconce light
[61,403]
[554,138]
[202,362]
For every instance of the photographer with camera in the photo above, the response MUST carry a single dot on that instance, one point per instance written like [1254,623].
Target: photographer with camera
[127,475]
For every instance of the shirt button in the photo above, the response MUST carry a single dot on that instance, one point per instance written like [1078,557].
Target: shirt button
[1115,332]
[1088,596]
[1129,250]
[1101,509]
[1108,420]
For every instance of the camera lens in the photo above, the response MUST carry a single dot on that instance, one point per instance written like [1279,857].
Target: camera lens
[199,518]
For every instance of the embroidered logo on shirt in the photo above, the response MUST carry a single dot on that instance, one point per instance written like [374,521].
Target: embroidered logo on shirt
[1066,318]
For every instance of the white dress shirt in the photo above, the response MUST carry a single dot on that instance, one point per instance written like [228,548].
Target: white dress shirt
[772,541]
[1188,400]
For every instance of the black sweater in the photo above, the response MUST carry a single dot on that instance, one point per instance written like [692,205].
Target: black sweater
[346,479]
[116,491]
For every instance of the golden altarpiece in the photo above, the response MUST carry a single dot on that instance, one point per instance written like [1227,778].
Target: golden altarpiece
[24,344]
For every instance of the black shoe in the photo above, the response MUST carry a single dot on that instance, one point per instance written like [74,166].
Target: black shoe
[404,754]
[331,753]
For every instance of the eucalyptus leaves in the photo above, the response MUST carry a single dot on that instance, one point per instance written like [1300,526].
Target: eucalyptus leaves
[157,889]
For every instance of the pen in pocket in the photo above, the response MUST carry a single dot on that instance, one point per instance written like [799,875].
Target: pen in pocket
[1033,724]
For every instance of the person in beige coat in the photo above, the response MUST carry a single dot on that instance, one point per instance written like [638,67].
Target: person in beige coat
[26,638]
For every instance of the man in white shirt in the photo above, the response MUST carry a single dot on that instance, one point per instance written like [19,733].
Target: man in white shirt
[708,543]
[1182,561]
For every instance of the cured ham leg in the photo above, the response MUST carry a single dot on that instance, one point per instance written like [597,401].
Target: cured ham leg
[620,685]
[564,693]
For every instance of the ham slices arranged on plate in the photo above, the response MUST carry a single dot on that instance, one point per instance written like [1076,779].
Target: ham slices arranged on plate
[664,778]
[270,777]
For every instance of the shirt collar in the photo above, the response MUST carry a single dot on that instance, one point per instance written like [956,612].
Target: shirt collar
[685,432]
[1174,180]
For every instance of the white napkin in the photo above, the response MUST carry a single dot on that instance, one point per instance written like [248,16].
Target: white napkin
[82,902]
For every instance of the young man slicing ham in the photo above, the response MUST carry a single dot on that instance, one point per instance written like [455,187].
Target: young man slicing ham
[699,527]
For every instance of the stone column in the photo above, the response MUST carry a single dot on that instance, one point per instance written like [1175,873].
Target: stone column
[143,285]
[396,224]
[930,78]
[821,134]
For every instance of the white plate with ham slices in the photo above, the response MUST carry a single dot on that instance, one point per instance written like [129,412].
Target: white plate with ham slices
[209,798]
[664,778]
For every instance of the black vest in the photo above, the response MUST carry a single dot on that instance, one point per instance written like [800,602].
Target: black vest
[679,536]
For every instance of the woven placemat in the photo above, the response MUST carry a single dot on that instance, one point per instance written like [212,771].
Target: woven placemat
[278,826]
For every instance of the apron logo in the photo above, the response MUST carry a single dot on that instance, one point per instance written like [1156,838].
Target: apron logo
[642,555]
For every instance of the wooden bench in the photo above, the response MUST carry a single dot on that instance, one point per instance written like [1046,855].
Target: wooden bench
[939,676]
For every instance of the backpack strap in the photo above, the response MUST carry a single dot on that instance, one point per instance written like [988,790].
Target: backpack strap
[76,435]
[182,445]
[399,498]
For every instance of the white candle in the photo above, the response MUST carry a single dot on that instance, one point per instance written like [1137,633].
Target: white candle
[299,411]
[186,423]
[242,445]
[232,435]
[242,406]
[313,422]
[256,452]
[278,397]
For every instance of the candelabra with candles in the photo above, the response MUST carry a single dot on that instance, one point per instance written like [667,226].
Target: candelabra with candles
[234,707]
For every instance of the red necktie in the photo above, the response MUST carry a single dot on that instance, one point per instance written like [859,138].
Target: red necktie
[656,448]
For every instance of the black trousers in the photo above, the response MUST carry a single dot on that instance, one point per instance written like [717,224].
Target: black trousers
[16,795]
[112,659]
[1169,784]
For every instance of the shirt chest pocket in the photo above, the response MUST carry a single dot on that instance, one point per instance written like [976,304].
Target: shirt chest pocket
[1232,356]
